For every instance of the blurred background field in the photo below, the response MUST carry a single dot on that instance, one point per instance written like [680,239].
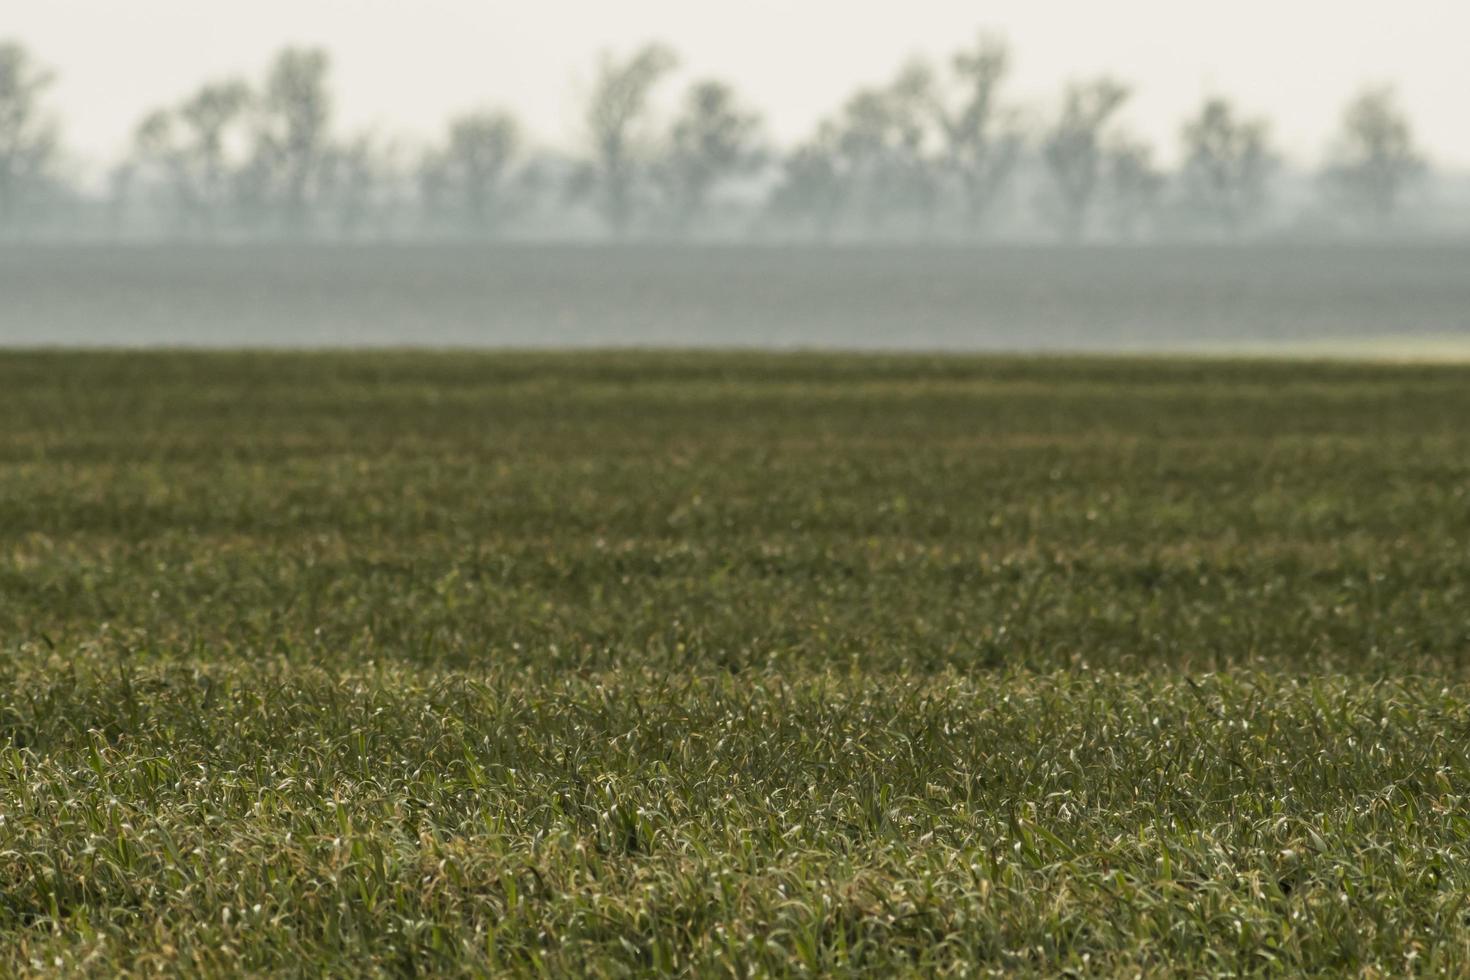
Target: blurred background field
[1345,300]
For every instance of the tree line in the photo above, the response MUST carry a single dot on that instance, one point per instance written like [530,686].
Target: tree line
[938,151]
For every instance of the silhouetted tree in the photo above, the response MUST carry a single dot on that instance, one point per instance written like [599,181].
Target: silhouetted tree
[913,181]
[882,136]
[615,118]
[1227,163]
[1134,187]
[467,181]
[981,139]
[812,189]
[159,151]
[292,137]
[932,148]
[865,143]
[713,140]
[210,117]
[1074,152]
[28,136]
[1374,160]
[360,185]
[187,149]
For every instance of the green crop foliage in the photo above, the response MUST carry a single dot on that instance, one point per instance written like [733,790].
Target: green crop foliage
[612,664]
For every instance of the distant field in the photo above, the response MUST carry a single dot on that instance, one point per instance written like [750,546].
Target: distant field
[1318,299]
[1404,349]
[349,664]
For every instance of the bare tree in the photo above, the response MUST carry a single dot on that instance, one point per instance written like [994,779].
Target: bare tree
[873,159]
[468,180]
[160,152]
[293,136]
[1134,187]
[883,135]
[982,141]
[188,150]
[615,118]
[211,116]
[913,180]
[360,185]
[1074,151]
[813,188]
[1227,164]
[864,143]
[1375,159]
[28,137]
[713,140]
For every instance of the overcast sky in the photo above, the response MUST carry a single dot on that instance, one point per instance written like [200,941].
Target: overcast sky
[404,65]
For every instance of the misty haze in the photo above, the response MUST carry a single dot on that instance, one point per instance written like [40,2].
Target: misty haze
[929,210]
[1398,299]
[709,490]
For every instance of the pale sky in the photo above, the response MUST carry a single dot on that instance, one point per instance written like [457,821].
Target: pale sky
[403,66]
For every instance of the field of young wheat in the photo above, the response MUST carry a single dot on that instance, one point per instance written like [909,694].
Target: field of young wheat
[732,664]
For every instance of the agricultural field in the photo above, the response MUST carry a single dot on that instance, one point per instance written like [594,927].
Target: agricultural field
[732,664]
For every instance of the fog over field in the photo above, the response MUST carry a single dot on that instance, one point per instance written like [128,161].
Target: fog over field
[1391,300]
[658,124]
[673,176]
